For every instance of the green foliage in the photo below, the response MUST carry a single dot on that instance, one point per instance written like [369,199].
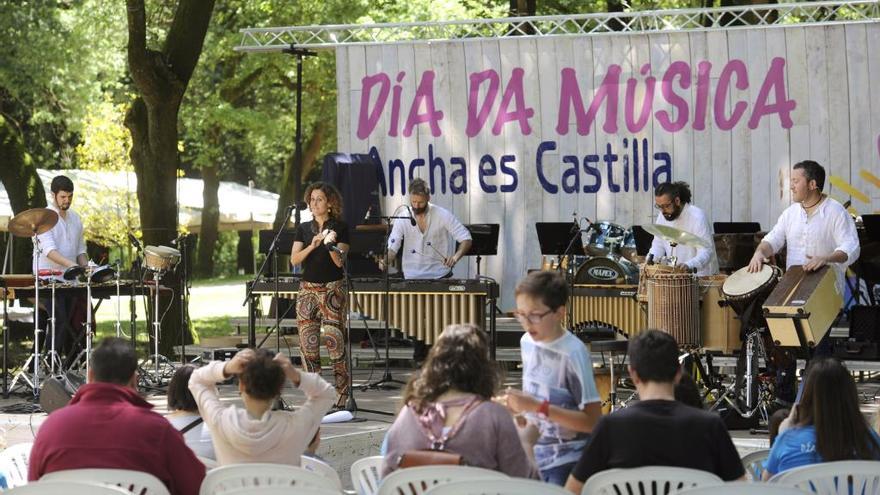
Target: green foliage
[108,213]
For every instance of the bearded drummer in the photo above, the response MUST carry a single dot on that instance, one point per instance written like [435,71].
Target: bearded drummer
[816,229]
[63,247]
[673,199]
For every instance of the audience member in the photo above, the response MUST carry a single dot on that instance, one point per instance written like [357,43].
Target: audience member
[184,414]
[448,406]
[775,422]
[256,433]
[108,425]
[826,425]
[687,392]
[559,395]
[657,430]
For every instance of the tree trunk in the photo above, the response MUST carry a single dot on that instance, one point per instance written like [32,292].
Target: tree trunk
[160,80]
[210,222]
[18,173]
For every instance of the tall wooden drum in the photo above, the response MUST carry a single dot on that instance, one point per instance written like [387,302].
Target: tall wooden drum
[719,327]
[673,306]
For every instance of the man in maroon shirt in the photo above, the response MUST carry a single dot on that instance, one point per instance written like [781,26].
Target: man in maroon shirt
[108,425]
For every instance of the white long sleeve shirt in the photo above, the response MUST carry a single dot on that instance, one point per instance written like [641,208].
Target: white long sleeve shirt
[694,221]
[66,237]
[829,229]
[278,437]
[423,252]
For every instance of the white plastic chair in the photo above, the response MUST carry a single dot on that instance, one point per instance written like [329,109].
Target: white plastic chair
[137,482]
[208,462]
[418,480]
[366,474]
[282,490]
[509,486]
[753,463]
[14,463]
[648,480]
[235,476]
[66,488]
[322,468]
[834,478]
[740,488]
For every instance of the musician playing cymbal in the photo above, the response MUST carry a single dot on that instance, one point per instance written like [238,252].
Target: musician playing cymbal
[427,250]
[816,229]
[64,247]
[673,199]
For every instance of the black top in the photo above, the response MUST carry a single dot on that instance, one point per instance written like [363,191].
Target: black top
[318,267]
[660,433]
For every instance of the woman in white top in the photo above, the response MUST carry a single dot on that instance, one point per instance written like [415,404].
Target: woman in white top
[185,416]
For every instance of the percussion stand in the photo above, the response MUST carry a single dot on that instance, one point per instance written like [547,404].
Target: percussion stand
[157,275]
[35,357]
[4,291]
[53,354]
[569,271]
[86,353]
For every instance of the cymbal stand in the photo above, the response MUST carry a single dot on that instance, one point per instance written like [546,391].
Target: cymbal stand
[53,354]
[85,354]
[157,358]
[118,302]
[34,358]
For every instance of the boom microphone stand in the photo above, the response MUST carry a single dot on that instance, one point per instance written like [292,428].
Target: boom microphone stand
[383,383]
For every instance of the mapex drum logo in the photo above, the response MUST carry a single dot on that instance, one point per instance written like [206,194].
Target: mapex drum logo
[603,273]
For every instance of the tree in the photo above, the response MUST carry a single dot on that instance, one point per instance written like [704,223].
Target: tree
[160,78]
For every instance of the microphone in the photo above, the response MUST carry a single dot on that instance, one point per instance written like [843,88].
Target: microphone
[412,219]
[134,241]
[847,204]
[369,211]
[331,246]
[650,260]
[297,205]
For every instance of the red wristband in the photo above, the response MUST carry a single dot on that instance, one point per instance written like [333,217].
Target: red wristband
[544,410]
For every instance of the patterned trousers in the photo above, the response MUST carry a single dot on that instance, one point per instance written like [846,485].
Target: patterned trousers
[320,313]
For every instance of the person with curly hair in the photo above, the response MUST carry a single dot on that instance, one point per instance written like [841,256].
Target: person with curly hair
[673,200]
[448,406]
[319,246]
[256,433]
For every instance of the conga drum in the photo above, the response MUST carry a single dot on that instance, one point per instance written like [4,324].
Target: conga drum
[742,289]
[602,376]
[673,306]
[719,327]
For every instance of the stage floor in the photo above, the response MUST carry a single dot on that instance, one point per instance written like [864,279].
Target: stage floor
[343,443]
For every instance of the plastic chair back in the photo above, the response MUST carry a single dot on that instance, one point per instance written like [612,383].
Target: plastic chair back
[237,476]
[834,478]
[14,463]
[137,482]
[366,474]
[648,480]
[418,480]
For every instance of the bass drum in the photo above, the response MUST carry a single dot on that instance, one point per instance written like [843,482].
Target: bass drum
[607,270]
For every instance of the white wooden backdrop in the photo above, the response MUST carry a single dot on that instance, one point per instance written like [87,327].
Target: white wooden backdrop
[832,72]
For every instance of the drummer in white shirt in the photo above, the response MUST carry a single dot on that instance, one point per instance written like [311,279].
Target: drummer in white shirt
[427,246]
[673,199]
[63,247]
[816,229]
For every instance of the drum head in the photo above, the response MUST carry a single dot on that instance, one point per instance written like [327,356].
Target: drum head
[741,282]
[73,273]
[606,270]
[605,238]
[103,273]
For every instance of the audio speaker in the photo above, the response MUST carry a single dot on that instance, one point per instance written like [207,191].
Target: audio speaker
[56,393]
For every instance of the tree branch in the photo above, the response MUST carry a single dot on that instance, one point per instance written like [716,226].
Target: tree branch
[185,39]
[138,58]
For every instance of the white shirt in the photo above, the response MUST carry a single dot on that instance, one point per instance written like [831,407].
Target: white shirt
[694,221]
[829,229]
[423,253]
[198,438]
[66,237]
[277,437]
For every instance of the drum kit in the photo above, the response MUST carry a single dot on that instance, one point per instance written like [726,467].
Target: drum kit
[611,258]
[33,223]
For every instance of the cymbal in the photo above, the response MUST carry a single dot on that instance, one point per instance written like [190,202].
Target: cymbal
[33,222]
[676,236]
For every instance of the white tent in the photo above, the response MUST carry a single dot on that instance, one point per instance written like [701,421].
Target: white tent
[241,208]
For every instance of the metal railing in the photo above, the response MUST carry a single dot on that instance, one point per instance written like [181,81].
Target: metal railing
[331,36]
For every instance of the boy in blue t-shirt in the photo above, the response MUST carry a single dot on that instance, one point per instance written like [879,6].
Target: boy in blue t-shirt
[559,394]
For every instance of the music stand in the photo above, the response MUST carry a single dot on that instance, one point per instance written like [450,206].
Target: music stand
[736,227]
[643,239]
[285,240]
[484,241]
[364,245]
[562,239]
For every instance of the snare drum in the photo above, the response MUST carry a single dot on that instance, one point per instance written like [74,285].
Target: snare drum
[673,306]
[742,288]
[160,258]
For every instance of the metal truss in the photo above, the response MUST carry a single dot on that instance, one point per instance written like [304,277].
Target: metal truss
[332,36]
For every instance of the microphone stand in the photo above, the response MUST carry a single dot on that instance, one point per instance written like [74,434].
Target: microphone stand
[273,255]
[383,383]
[569,273]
